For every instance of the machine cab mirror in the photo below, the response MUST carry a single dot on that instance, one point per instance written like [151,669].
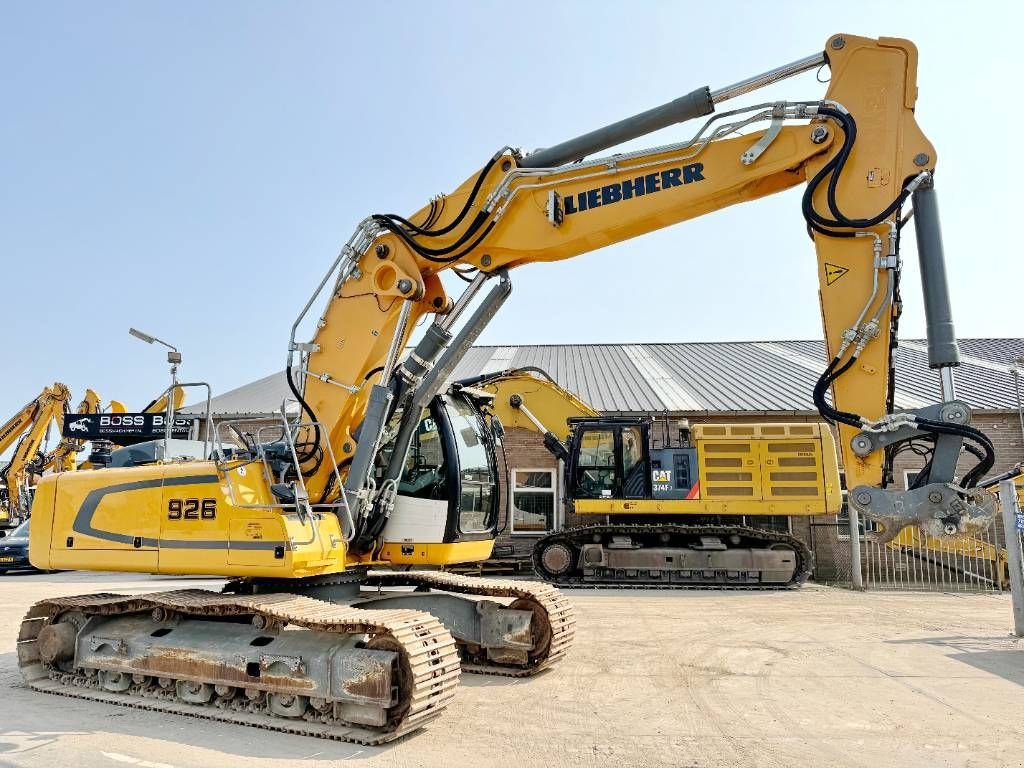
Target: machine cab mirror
[497,428]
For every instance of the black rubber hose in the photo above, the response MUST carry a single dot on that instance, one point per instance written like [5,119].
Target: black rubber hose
[427,253]
[461,215]
[970,433]
[827,412]
[485,377]
[833,169]
[309,412]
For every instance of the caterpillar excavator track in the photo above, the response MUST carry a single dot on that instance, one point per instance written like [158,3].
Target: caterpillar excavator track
[336,672]
[672,557]
[552,629]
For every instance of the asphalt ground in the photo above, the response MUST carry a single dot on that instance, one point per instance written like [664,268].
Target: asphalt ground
[818,677]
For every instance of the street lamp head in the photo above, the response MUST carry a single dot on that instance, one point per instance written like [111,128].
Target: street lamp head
[154,340]
[140,335]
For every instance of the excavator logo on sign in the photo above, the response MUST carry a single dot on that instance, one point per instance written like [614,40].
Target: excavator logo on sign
[833,272]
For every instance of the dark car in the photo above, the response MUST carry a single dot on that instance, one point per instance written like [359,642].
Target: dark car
[14,550]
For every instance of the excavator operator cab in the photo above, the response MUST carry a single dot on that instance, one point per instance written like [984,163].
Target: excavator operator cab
[448,488]
[610,458]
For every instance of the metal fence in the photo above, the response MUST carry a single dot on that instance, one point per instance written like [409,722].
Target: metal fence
[913,561]
[832,557]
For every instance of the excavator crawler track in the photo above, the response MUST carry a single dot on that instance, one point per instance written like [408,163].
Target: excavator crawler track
[552,610]
[575,538]
[427,654]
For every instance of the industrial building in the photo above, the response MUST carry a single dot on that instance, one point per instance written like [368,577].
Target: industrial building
[727,382]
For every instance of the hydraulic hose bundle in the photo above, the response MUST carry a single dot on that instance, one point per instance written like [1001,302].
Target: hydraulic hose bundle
[465,243]
[844,226]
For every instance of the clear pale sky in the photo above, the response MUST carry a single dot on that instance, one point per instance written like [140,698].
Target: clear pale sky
[191,168]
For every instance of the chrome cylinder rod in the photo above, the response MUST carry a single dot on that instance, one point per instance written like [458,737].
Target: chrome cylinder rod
[767,78]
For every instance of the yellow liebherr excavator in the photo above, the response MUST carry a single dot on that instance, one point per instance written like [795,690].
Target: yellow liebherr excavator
[297,521]
[26,430]
[665,506]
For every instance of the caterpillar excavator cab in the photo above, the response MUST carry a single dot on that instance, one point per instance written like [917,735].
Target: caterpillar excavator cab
[297,522]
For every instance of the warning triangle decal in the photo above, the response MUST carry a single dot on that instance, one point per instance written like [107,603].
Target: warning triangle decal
[833,272]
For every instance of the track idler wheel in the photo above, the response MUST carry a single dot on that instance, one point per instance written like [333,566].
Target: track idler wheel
[57,643]
[557,558]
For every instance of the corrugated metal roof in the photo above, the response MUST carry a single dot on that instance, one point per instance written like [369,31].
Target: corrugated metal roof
[258,398]
[755,376]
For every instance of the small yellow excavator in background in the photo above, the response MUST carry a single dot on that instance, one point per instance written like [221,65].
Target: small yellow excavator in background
[102,448]
[27,430]
[306,639]
[159,405]
[662,513]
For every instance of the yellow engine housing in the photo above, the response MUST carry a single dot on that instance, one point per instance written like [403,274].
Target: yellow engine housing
[176,518]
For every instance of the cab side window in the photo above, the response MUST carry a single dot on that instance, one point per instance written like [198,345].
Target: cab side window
[595,468]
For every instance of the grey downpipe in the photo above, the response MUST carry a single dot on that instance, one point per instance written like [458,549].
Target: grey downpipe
[1020,405]
[1011,508]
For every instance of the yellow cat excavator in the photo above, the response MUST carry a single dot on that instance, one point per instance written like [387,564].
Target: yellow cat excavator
[662,513]
[26,431]
[310,636]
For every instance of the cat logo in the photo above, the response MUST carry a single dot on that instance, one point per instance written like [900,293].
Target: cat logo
[661,475]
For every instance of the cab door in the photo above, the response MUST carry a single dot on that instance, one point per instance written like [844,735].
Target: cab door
[609,461]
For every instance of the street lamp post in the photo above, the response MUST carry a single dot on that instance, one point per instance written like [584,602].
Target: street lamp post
[174,358]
